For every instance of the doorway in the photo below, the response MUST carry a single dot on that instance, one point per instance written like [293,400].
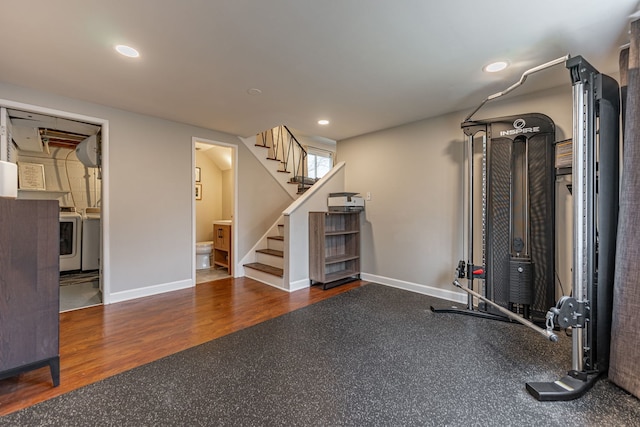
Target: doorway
[65,156]
[214,205]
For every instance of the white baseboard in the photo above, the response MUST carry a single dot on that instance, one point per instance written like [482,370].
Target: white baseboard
[299,284]
[458,297]
[150,290]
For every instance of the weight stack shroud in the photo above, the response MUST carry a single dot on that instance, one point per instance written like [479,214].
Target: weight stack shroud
[537,131]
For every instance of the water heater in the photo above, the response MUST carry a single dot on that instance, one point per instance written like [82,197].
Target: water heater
[87,152]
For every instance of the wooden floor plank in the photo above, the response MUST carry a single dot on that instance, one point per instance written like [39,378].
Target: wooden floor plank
[99,342]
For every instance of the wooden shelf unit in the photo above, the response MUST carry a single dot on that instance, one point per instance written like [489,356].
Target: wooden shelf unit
[334,247]
[222,246]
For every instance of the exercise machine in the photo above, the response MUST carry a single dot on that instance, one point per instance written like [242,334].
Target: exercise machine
[517,213]
[517,230]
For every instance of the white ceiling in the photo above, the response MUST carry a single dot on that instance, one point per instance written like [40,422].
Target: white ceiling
[363,64]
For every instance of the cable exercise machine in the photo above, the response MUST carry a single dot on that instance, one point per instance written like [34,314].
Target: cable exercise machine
[518,231]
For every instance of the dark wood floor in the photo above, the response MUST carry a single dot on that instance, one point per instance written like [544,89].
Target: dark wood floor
[98,342]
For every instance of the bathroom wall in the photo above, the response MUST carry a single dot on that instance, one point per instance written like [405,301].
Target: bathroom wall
[64,173]
[209,207]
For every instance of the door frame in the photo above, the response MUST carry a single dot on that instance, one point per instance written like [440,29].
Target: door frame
[105,272]
[234,212]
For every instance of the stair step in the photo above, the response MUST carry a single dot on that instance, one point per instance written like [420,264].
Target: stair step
[272,252]
[266,268]
[300,180]
[276,242]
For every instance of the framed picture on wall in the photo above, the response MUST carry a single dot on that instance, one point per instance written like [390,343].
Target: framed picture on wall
[197,174]
[198,191]
[31,176]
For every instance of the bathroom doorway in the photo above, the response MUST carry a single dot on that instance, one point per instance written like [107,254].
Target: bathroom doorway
[214,207]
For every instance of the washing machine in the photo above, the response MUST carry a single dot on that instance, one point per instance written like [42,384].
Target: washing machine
[70,239]
[91,239]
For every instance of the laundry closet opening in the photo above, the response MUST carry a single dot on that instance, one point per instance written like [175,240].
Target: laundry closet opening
[214,208]
[60,159]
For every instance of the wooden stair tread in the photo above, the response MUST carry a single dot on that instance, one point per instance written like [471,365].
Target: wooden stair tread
[272,252]
[269,269]
[303,180]
[276,238]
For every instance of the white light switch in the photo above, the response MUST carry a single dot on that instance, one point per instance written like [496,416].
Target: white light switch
[368,198]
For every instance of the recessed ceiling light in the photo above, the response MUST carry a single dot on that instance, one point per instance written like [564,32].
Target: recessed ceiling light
[127,51]
[494,67]
[254,91]
[323,122]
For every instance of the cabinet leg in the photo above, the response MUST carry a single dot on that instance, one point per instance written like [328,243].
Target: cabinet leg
[54,366]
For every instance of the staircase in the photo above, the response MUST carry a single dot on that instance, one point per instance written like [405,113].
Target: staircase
[282,154]
[269,261]
[280,258]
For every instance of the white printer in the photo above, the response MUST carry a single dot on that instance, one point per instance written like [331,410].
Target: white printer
[345,202]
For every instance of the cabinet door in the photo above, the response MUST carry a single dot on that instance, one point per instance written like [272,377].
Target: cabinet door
[226,237]
[218,237]
[221,237]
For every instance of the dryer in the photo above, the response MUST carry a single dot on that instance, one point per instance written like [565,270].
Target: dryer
[91,239]
[70,239]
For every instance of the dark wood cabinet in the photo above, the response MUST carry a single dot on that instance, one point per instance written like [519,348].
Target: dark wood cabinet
[29,286]
[334,247]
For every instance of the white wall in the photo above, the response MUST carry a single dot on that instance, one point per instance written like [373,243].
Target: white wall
[413,227]
[413,232]
[149,189]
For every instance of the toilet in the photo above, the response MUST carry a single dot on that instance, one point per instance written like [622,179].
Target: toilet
[203,255]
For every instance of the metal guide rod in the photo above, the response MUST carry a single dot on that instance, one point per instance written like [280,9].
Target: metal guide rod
[579,212]
[470,216]
[526,226]
[484,213]
[549,334]
[524,76]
